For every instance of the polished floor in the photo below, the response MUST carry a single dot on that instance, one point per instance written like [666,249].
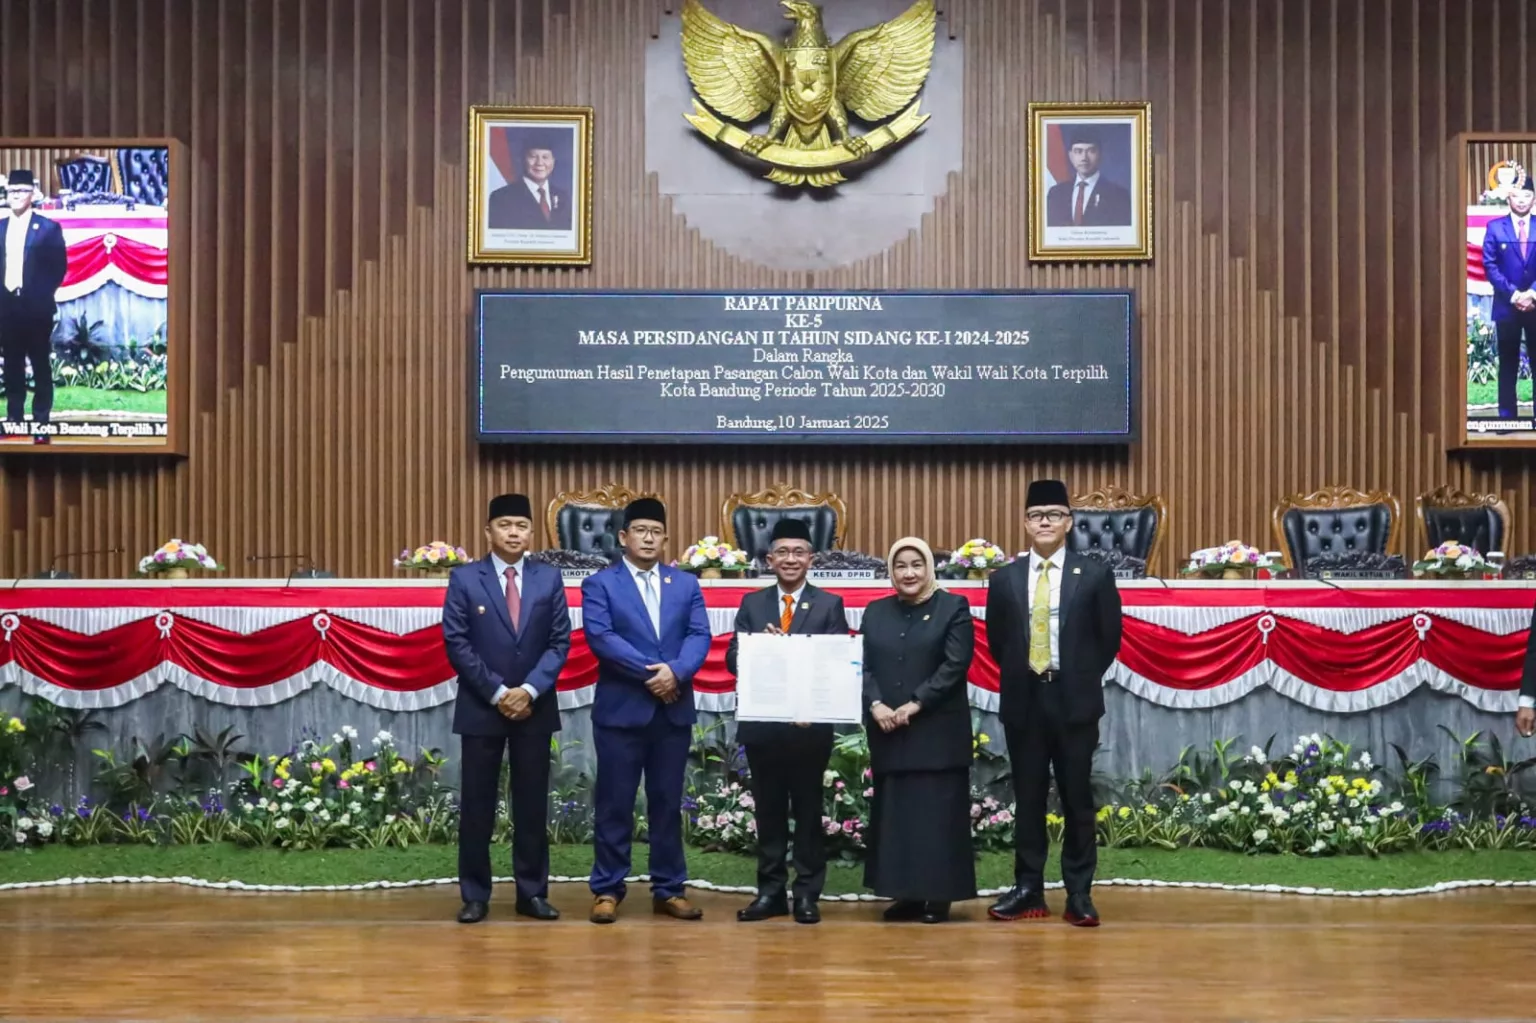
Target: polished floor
[171,955]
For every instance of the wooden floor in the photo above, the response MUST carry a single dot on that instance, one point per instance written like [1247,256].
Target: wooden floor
[170,954]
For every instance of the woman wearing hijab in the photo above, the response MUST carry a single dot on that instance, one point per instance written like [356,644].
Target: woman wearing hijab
[917,652]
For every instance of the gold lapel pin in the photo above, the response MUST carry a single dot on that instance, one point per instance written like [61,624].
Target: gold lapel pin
[480,609]
[926,617]
[666,578]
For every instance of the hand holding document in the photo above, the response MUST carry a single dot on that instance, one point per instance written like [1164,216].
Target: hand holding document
[800,678]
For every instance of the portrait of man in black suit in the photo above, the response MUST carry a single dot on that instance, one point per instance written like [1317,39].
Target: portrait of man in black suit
[1090,198]
[539,198]
[33,263]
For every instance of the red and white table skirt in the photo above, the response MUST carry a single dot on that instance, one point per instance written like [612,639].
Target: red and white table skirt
[1186,645]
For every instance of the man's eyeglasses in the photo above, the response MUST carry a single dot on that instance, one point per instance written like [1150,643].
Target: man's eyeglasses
[791,552]
[646,532]
[1053,517]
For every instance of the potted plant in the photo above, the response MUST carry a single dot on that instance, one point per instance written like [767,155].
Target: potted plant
[712,558]
[174,558]
[1232,560]
[435,559]
[974,559]
[1452,560]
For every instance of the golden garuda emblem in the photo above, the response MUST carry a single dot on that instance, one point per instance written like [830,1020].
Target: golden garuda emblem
[810,85]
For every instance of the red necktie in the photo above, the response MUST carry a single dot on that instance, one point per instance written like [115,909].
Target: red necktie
[788,614]
[514,599]
[1077,212]
[544,201]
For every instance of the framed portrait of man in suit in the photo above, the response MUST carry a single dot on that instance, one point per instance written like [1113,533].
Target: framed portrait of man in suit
[1090,175]
[1494,328]
[530,185]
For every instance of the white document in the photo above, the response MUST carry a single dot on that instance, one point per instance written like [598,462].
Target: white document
[814,679]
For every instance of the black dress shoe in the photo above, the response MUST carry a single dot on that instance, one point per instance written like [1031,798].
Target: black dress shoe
[935,912]
[763,907]
[806,910]
[537,907]
[1020,904]
[473,912]
[1080,911]
[903,911]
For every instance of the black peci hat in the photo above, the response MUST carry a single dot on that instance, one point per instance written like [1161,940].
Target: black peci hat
[791,529]
[509,504]
[1047,492]
[645,508]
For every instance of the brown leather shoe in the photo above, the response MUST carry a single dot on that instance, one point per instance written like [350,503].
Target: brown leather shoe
[677,907]
[605,909]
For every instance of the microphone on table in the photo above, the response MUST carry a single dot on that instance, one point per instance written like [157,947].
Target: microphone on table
[53,569]
[310,572]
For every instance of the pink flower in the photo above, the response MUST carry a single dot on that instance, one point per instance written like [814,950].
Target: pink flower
[4,791]
[848,827]
[830,825]
[840,784]
[315,767]
[992,819]
[868,774]
[1003,817]
[23,783]
[277,783]
[370,766]
[869,793]
[747,801]
[343,784]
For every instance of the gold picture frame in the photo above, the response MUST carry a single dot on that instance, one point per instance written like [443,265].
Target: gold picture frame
[530,186]
[1111,219]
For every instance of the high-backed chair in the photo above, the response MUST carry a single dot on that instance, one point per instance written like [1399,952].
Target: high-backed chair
[1336,521]
[1112,519]
[750,518]
[85,173]
[1481,521]
[145,174]
[589,521]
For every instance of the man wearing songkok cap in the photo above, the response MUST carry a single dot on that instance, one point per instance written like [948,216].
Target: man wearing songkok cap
[508,631]
[1509,260]
[786,761]
[33,262]
[649,631]
[1053,623]
[1088,198]
[533,201]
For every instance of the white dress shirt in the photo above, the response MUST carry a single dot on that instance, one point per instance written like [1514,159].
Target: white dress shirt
[533,187]
[16,249]
[501,577]
[639,574]
[1058,563]
[1092,181]
[794,599]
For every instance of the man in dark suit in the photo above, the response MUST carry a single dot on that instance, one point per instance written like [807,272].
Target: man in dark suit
[786,761]
[1509,261]
[649,630]
[533,202]
[508,631]
[33,262]
[1089,199]
[1053,623]
[1525,717]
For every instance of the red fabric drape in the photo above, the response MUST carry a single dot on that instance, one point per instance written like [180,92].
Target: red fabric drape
[141,261]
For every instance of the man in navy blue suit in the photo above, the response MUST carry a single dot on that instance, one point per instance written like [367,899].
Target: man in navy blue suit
[508,632]
[1509,260]
[647,627]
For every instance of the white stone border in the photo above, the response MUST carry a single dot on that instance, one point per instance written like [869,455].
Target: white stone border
[1121,882]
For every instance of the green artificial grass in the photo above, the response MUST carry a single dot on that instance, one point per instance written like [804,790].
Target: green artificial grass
[1488,393]
[994,870]
[91,399]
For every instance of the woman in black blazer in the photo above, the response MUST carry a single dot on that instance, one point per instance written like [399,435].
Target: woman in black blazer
[917,652]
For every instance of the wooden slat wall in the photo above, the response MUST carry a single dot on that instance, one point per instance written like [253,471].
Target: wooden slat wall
[1292,321]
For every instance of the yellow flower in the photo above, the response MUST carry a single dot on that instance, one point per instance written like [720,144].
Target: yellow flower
[1053,818]
[329,765]
[282,771]
[1103,813]
[1272,778]
[14,726]
[272,759]
[1149,810]
[1124,812]
[399,767]
[1493,769]
[1290,776]
[984,738]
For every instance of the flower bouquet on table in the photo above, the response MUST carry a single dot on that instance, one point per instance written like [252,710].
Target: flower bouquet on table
[712,558]
[435,558]
[974,559]
[1232,560]
[174,558]
[1452,560]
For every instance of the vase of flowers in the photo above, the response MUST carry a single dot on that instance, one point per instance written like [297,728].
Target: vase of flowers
[173,559]
[712,558]
[434,559]
[1232,560]
[975,559]
[1452,560]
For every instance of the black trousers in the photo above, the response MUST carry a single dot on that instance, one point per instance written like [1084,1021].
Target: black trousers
[529,790]
[785,780]
[1041,745]
[1510,333]
[25,337]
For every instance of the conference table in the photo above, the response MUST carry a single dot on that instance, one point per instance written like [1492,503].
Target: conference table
[1338,647]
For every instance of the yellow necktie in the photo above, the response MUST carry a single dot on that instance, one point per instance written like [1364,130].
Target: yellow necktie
[1040,622]
[788,614]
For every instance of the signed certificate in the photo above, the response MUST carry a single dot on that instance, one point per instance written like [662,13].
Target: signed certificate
[816,679]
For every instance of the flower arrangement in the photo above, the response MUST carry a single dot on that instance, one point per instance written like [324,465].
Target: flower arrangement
[436,558]
[174,557]
[1452,560]
[711,556]
[1232,560]
[975,559]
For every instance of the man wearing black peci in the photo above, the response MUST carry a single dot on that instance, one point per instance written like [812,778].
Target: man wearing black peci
[507,631]
[1053,623]
[33,263]
[786,761]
